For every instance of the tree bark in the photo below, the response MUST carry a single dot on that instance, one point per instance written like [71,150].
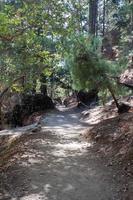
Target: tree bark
[104,11]
[93,12]
[113,96]
[43,87]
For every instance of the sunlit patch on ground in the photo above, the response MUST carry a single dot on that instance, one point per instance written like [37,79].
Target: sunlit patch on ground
[33,196]
[72,148]
[56,165]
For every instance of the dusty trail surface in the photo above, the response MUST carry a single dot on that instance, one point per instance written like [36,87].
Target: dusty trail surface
[59,165]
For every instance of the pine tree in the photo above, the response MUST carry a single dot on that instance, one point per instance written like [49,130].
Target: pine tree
[90,70]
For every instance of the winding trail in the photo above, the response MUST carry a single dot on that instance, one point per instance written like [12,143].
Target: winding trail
[59,165]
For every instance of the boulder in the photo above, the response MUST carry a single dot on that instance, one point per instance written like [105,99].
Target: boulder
[126,78]
[30,104]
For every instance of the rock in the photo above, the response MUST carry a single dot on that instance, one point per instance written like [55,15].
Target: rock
[126,77]
[29,105]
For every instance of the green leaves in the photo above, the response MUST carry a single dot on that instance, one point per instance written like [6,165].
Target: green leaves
[51,37]
[88,68]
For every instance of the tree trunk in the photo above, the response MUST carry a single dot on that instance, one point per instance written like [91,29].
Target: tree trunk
[131,17]
[34,86]
[93,12]
[104,12]
[43,87]
[113,96]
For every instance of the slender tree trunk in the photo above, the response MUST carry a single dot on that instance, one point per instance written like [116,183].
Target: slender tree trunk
[93,13]
[113,96]
[1,117]
[131,16]
[43,87]
[34,86]
[104,12]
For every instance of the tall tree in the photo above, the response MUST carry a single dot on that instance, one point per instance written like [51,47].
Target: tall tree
[93,13]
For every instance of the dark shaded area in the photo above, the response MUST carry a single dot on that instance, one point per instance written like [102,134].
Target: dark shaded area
[30,103]
[123,108]
[87,97]
[50,169]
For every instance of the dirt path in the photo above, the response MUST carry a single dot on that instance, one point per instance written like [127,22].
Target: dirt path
[58,165]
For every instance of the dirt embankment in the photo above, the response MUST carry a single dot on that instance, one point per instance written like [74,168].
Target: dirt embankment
[11,147]
[112,135]
[112,138]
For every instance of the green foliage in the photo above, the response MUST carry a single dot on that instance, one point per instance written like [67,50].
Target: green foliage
[89,69]
[51,38]
[27,45]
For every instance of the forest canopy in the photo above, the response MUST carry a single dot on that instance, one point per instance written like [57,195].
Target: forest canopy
[46,38]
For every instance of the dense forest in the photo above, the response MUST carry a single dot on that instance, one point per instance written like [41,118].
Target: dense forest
[56,46]
[73,57]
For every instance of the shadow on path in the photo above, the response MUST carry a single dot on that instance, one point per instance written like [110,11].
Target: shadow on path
[58,165]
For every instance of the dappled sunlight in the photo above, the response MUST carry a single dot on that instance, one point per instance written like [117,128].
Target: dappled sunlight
[73,149]
[68,188]
[32,197]
[66,95]
[56,163]
[96,115]
[73,146]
